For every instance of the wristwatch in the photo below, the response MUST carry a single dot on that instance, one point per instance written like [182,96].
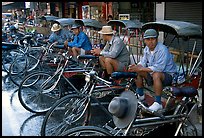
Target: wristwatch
[100,53]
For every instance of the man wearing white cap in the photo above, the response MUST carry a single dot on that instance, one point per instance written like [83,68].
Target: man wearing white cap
[156,66]
[115,55]
[58,35]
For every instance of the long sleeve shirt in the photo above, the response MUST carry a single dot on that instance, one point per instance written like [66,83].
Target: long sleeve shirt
[69,34]
[60,38]
[116,49]
[159,60]
[81,41]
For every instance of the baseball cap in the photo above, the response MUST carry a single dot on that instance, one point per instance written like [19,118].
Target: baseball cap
[75,26]
[150,33]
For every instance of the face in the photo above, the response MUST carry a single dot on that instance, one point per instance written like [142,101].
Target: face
[151,43]
[75,31]
[57,32]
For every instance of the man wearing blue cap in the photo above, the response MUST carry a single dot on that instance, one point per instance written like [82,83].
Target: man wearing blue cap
[157,67]
[81,43]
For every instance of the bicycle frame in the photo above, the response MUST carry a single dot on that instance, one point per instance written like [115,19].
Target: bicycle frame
[180,113]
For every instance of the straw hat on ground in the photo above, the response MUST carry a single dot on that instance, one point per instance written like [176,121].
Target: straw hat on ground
[106,30]
[56,27]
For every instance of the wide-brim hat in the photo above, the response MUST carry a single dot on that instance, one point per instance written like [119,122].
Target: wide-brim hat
[150,33]
[56,27]
[106,30]
[123,109]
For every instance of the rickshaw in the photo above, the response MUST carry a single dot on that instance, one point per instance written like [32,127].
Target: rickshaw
[130,32]
[45,30]
[179,100]
[187,57]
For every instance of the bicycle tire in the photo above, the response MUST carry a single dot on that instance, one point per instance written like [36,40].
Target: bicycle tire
[65,114]
[86,131]
[21,67]
[188,128]
[33,97]
[7,58]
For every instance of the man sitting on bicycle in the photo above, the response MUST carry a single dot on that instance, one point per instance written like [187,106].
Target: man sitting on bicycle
[115,55]
[81,43]
[156,66]
[58,36]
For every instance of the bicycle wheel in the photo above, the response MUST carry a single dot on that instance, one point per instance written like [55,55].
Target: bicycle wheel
[187,127]
[37,92]
[70,111]
[22,66]
[86,131]
[8,56]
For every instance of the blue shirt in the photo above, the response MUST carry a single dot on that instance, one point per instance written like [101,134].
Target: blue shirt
[81,41]
[160,60]
[60,38]
[69,34]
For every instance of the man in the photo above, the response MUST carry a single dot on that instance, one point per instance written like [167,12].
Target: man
[58,35]
[156,66]
[69,33]
[81,43]
[115,55]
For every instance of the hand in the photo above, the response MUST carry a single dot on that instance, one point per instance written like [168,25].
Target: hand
[134,68]
[96,51]
[66,44]
[46,40]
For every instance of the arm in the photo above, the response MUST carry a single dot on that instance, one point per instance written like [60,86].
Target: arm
[160,61]
[81,39]
[113,52]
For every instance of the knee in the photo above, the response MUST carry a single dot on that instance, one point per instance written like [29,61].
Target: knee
[108,60]
[157,76]
[73,49]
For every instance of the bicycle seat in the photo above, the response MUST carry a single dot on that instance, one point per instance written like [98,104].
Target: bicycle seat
[187,91]
[8,46]
[87,57]
[118,75]
[27,37]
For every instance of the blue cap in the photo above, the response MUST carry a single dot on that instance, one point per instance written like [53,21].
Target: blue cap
[75,26]
[150,33]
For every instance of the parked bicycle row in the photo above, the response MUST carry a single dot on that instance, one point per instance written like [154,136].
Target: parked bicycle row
[65,77]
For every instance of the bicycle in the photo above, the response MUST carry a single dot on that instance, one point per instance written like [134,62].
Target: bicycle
[75,110]
[34,59]
[145,120]
[39,90]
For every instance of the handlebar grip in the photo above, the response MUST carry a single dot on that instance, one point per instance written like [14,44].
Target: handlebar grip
[58,46]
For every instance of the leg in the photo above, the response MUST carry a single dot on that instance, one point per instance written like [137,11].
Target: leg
[102,62]
[75,51]
[158,78]
[111,65]
[140,85]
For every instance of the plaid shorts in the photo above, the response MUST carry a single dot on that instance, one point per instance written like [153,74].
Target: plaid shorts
[166,82]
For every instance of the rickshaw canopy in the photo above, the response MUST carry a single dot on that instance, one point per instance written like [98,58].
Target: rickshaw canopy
[92,23]
[128,24]
[65,21]
[51,18]
[178,28]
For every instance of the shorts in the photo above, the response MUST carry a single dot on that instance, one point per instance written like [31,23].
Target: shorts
[122,66]
[166,82]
